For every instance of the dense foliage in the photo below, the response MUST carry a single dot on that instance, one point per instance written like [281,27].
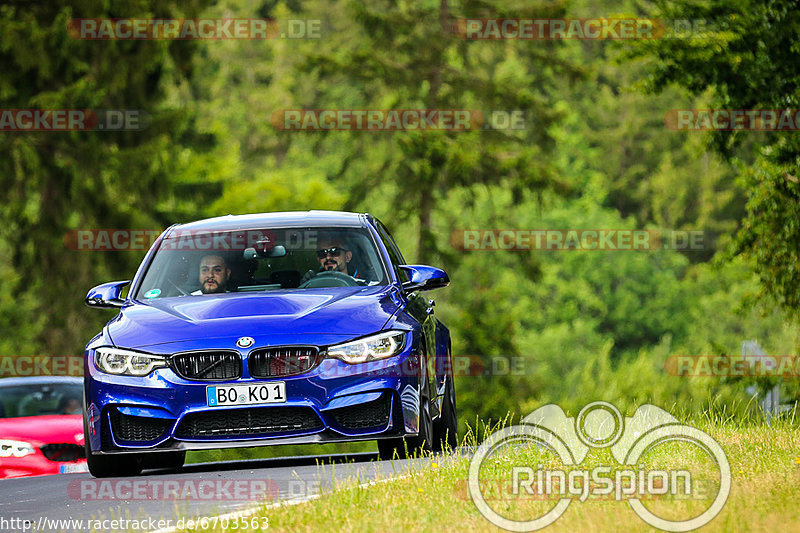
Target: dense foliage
[595,154]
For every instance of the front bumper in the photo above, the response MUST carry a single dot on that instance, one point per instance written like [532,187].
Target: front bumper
[332,402]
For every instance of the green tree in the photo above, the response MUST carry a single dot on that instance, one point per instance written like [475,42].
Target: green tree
[615,133]
[748,60]
[405,55]
[52,182]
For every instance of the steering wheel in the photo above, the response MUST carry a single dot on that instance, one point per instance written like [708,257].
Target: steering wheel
[330,278]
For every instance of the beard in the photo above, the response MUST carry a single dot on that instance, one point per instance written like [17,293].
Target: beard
[331,266]
[211,287]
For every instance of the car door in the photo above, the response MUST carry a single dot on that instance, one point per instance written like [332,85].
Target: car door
[421,308]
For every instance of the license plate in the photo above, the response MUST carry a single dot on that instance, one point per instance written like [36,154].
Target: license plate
[256,393]
[73,468]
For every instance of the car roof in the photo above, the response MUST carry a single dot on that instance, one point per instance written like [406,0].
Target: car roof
[40,380]
[295,219]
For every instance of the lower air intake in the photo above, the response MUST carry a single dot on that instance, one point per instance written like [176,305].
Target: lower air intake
[367,415]
[138,428]
[249,422]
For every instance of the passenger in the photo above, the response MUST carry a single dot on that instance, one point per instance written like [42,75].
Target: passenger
[214,275]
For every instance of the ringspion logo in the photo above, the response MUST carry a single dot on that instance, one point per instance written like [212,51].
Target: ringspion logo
[569,440]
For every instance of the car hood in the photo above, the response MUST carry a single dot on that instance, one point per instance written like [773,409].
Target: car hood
[46,429]
[339,311]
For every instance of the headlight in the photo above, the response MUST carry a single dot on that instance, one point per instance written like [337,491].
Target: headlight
[371,348]
[15,448]
[116,361]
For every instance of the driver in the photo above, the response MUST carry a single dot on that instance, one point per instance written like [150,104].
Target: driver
[333,256]
[214,275]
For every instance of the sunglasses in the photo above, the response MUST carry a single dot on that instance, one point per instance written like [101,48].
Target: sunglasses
[336,251]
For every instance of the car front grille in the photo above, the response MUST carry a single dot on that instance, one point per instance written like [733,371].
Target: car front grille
[63,452]
[248,422]
[207,366]
[372,414]
[138,428]
[282,361]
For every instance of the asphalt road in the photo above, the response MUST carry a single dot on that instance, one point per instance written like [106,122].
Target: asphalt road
[207,489]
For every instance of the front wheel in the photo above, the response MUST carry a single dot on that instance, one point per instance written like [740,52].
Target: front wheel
[447,424]
[110,465]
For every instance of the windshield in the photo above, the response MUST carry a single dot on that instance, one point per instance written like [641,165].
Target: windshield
[191,263]
[41,399]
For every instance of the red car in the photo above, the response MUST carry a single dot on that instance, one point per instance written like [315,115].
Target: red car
[41,426]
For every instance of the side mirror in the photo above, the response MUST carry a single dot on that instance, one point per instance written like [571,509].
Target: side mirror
[106,295]
[424,278]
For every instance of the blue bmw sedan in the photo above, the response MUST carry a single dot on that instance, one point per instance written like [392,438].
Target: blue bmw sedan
[277,328]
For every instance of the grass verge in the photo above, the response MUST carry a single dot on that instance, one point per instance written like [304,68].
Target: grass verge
[433,496]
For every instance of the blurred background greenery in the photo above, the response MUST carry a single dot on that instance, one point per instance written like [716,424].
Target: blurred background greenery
[595,154]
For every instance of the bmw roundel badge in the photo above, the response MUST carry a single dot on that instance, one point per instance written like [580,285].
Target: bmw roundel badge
[245,342]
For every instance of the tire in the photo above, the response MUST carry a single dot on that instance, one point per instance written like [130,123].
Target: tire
[110,465]
[402,448]
[446,427]
[172,461]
